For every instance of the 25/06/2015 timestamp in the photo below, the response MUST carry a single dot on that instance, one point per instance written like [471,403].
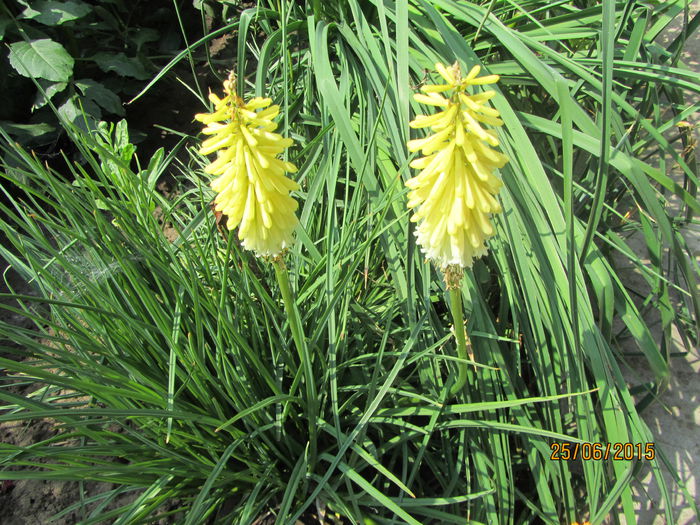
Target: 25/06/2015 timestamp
[602,451]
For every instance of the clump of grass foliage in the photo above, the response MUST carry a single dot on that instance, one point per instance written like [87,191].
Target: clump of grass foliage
[169,367]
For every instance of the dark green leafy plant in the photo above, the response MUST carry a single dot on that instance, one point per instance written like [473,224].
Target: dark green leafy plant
[81,59]
[167,364]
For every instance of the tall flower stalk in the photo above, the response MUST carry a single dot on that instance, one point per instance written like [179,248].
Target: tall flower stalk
[254,195]
[454,194]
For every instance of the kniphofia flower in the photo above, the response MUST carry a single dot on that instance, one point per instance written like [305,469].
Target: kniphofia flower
[251,186]
[454,193]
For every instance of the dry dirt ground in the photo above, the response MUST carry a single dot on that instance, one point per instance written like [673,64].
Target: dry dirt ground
[674,419]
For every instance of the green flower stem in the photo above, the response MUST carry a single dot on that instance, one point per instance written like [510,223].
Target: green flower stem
[316,9]
[304,357]
[453,280]
[458,319]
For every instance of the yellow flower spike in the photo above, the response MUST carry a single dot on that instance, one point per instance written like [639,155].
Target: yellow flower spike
[453,195]
[251,186]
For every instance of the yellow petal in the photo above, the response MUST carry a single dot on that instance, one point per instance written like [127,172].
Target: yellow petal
[432,99]
[435,88]
[482,97]
[258,102]
[252,142]
[423,121]
[473,72]
[488,79]
[445,73]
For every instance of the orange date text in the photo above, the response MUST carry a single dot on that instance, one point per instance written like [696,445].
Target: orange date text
[602,451]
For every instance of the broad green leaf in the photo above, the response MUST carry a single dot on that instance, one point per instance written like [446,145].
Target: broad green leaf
[104,97]
[42,58]
[26,130]
[53,13]
[121,64]
[144,35]
[85,118]
[50,89]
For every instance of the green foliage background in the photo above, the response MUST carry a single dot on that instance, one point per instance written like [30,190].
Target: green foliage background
[170,367]
[83,60]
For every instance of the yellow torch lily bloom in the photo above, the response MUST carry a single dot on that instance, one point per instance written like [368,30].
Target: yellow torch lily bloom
[454,193]
[251,186]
